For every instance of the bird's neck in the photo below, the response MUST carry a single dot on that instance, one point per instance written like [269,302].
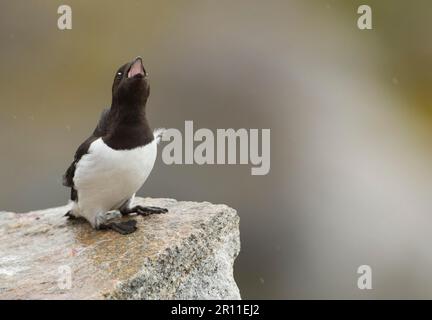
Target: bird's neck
[129,127]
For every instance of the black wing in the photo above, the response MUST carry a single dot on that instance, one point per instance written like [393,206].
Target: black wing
[99,131]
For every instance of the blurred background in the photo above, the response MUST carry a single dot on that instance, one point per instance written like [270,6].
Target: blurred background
[350,114]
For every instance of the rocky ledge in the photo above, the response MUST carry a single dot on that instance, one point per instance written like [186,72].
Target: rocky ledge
[187,253]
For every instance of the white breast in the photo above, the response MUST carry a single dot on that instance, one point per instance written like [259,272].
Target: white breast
[105,178]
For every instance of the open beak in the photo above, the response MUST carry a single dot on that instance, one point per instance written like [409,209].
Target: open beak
[137,69]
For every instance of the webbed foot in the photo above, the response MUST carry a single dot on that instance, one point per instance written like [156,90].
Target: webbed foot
[69,215]
[125,227]
[144,211]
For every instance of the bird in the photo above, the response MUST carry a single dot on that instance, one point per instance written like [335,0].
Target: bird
[112,164]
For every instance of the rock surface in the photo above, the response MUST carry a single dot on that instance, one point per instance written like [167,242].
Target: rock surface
[187,253]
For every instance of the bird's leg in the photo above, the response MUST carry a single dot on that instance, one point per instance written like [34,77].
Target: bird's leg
[143,210]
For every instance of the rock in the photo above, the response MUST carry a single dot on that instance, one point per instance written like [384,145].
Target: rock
[187,253]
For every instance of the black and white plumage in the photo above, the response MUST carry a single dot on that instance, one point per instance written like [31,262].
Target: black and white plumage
[115,161]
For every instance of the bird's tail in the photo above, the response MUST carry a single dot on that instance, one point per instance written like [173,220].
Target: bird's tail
[158,133]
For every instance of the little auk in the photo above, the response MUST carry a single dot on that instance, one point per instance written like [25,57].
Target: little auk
[115,161]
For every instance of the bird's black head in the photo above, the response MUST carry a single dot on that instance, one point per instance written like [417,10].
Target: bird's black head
[130,86]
